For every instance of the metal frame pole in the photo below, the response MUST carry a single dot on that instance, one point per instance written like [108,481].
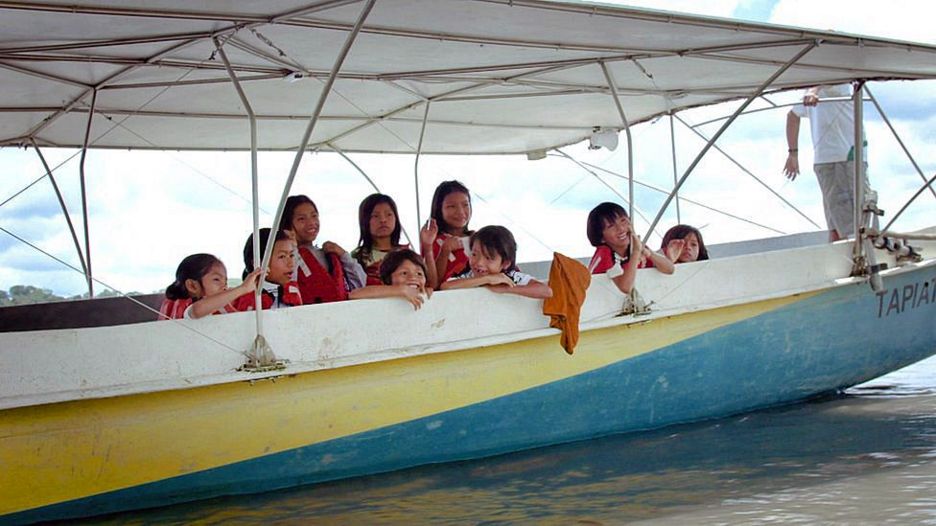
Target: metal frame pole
[422,133]
[84,195]
[672,138]
[757,93]
[61,200]
[859,168]
[929,184]
[897,136]
[630,151]
[261,359]
[300,150]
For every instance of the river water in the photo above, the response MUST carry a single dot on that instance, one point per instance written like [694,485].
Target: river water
[866,457]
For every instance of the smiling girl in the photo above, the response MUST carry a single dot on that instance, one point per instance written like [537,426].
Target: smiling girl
[200,289]
[451,211]
[493,264]
[618,250]
[402,275]
[324,274]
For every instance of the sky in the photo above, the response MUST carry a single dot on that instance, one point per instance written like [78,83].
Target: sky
[150,209]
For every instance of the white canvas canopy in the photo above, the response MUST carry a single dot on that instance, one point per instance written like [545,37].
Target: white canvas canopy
[499,76]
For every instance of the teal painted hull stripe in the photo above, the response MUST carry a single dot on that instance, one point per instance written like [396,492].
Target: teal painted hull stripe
[775,358]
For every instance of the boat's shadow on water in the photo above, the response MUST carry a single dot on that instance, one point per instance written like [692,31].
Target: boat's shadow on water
[613,479]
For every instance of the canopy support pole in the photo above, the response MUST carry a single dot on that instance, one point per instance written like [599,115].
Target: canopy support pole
[61,200]
[300,150]
[672,138]
[260,356]
[859,204]
[757,93]
[630,151]
[84,195]
[422,134]
[745,170]
[929,184]
[899,140]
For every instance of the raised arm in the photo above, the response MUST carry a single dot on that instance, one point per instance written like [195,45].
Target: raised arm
[208,305]
[427,236]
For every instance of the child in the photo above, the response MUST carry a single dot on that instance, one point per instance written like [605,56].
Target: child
[200,289]
[683,244]
[493,264]
[451,210]
[279,290]
[403,275]
[380,234]
[324,274]
[609,231]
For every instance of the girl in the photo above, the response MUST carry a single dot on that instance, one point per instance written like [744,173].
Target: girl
[200,289]
[683,244]
[380,234]
[403,275]
[451,210]
[324,274]
[609,231]
[278,289]
[493,264]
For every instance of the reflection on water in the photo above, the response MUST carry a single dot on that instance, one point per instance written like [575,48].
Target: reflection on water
[866,457]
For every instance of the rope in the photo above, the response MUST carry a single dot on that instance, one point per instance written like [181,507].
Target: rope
[120,293]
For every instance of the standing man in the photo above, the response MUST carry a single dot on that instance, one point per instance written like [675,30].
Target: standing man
[833,135]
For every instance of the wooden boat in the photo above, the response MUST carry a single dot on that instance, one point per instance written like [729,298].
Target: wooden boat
[115,417]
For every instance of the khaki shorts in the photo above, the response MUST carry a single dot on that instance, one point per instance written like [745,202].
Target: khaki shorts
[837,181]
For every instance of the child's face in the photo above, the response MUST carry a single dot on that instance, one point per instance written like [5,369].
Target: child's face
[456,210]
[691,249]
[616,233]
[382,221]
[281,262]
[213,282]
[305,223]
[485,262]
[408,274]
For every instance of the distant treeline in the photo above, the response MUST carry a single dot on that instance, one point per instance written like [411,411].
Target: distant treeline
[28,294]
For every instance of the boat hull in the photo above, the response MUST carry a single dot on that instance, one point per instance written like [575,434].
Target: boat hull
[103,455]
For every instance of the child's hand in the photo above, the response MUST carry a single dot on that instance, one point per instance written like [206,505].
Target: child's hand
[496,280]
[675,248]
[330,247]
[451,244]
[251,282]
[412,295]
[636,245]
[428,233]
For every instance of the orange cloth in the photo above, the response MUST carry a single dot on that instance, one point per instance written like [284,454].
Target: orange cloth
[569,280]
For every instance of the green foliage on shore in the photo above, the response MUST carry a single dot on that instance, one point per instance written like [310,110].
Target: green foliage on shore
[29,294]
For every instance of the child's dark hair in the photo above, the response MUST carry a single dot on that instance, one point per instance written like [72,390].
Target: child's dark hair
[495,239]
[444,189]
[289,209]
[393,260]
[680,232]
[264,238]
[192,267]
[601,216]
[366,242]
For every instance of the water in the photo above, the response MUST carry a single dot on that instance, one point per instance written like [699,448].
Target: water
[868,457]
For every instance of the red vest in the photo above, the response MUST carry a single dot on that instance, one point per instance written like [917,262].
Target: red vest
[457,260]
[316,284]
[173,309]
[289,295]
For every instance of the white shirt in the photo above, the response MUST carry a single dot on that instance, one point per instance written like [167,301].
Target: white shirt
[832,125]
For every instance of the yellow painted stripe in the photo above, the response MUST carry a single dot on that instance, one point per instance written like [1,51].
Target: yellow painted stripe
[65,451]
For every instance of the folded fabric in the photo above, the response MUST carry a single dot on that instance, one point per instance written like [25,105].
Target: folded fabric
[569,280]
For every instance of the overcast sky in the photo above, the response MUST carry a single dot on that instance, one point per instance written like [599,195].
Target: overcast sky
[150,209]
